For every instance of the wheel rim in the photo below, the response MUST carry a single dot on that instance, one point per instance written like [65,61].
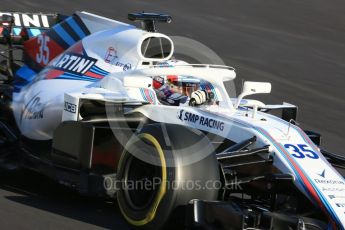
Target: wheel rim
[142,211]
[141,178]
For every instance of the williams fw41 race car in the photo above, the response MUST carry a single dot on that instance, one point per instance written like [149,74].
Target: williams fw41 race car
[102,106]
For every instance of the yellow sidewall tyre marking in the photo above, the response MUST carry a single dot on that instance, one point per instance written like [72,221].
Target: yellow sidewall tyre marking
[162,189]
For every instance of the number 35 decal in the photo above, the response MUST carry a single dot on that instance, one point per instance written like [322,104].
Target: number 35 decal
[43,50]
[301,151]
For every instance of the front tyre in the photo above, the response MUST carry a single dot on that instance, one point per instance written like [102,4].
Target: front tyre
[156,177]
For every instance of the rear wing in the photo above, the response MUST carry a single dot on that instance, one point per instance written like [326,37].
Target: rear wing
[19,27]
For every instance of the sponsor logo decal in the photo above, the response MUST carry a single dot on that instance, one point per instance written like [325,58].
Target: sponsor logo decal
[340,205]
[200,120]
[74,63]
[31,20]
[125,67]
[180,114]
[69,107]
[110,55]
[335,196]
[326,181]
[33,110]
[333,189]
[322,174]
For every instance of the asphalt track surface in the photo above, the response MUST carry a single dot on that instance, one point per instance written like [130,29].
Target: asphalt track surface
[299,46]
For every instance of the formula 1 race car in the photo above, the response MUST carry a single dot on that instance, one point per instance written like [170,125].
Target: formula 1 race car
[102,106]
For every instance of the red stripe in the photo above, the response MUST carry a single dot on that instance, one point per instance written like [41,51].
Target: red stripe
[306,138]
[53,73]
[334,225]
[94,75]
[300,172]
[147,94]
[305,180]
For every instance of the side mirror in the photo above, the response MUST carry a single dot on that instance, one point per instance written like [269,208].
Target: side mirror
[251,87]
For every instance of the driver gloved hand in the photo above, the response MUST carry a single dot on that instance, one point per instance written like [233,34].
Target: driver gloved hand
[198,97]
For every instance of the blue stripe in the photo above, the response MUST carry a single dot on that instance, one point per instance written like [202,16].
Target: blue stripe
[96,68]
[152,97]
[79,76]
[203,86]
[76,27]
[17,31]
[64,35]
[35,32]
[75,78]
[72,74]
[328,206]
[143,94]
[99,69]
[324,201]
[63,76]
[97,72]
[292,166]
[30,33]
[320,195]
[26,73]
[83,77]
[285,157]
[214,91]
[67,78]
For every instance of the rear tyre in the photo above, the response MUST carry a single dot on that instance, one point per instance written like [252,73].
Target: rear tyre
[157,155]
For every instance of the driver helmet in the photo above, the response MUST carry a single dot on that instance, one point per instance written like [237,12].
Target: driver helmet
[183,85]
